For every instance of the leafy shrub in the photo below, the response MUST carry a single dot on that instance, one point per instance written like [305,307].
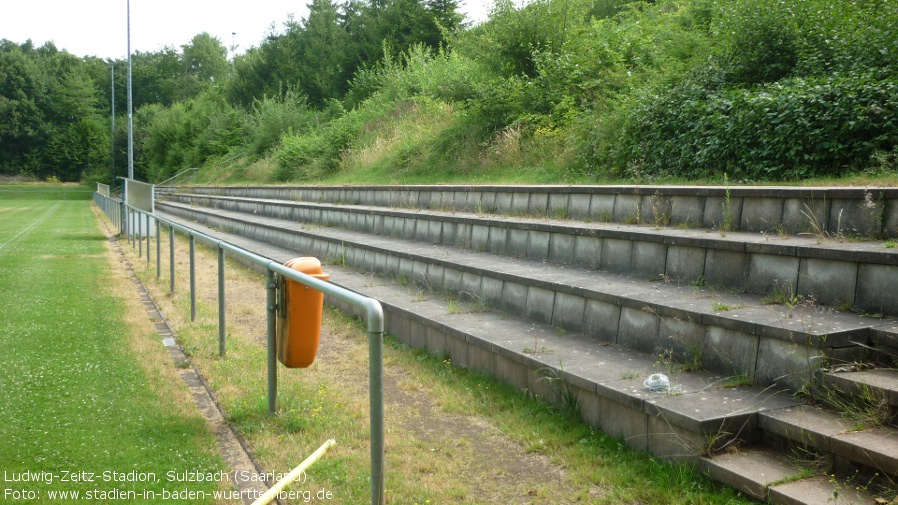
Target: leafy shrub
[272,117]
[790,129]
[759,39]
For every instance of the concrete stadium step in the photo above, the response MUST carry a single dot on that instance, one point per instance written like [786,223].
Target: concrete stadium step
[699,412]
[703,412]
[855,275]
[885,341]
[852,444]
[777,479]
[731,334]
[855,211]
[878,386]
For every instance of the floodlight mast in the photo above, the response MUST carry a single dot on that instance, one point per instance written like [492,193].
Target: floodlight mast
[130,104]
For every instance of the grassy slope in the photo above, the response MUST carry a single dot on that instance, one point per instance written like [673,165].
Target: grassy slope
[76,397]
[381,155]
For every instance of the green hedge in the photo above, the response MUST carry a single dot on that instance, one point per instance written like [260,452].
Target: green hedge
[793,128]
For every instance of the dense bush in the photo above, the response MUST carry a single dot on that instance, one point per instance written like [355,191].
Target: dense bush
[272,117]
[188,133]
[794,128]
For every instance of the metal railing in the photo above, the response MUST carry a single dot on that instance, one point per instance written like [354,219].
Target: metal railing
[121,214]
[171,180]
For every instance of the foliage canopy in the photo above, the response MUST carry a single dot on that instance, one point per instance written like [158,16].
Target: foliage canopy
[578,90]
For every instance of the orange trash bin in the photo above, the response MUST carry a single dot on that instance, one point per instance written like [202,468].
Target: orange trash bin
[299,315]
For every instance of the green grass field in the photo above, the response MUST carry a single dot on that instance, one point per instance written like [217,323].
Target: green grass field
[41,191]
[80,409]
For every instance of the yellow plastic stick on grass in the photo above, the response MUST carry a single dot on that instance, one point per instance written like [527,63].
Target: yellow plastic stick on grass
[292,476]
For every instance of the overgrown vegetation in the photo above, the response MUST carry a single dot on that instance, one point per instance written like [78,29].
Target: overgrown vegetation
[554,91]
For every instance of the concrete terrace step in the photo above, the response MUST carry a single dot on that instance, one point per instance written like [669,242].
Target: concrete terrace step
[700,414]
[814,430]
[885,340]
[770,476]
[874,385]
[849,274]
[854,211]
[732,334]
[702,410]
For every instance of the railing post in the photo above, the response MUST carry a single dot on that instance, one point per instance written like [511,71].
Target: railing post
[192,278]
[125,231]
[222,329]
[171,258]
[137,237]
[376,398]
[158,248]
[271,287]
[148,238]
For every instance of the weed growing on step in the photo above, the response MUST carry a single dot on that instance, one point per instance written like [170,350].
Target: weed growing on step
[890,244]
[865,408]
[723,307]
[452,304]
[564,391]
[738,380]
[817,230]
[883,487]
[666,359]
[727,225]
[637,218]
[561,213]
[716,443]
[537,350]
[782,295]
[660,217]
[686,225]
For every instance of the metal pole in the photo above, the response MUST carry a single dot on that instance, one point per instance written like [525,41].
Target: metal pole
[137,237]
[222,330]
[112,92]
[271,286]
[158,249]
[130,104]
[148,239]
[376,398]
[192,278]
[171,258]
[131,227]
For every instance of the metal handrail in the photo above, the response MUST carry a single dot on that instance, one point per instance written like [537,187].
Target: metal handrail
[124,216]
[179,174]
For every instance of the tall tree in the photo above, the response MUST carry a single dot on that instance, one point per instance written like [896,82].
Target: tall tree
[49,122]
[322,49]
[205,59]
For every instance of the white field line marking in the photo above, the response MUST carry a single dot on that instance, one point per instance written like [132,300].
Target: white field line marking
[30,226]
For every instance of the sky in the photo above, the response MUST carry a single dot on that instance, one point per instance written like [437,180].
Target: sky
[99,27]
